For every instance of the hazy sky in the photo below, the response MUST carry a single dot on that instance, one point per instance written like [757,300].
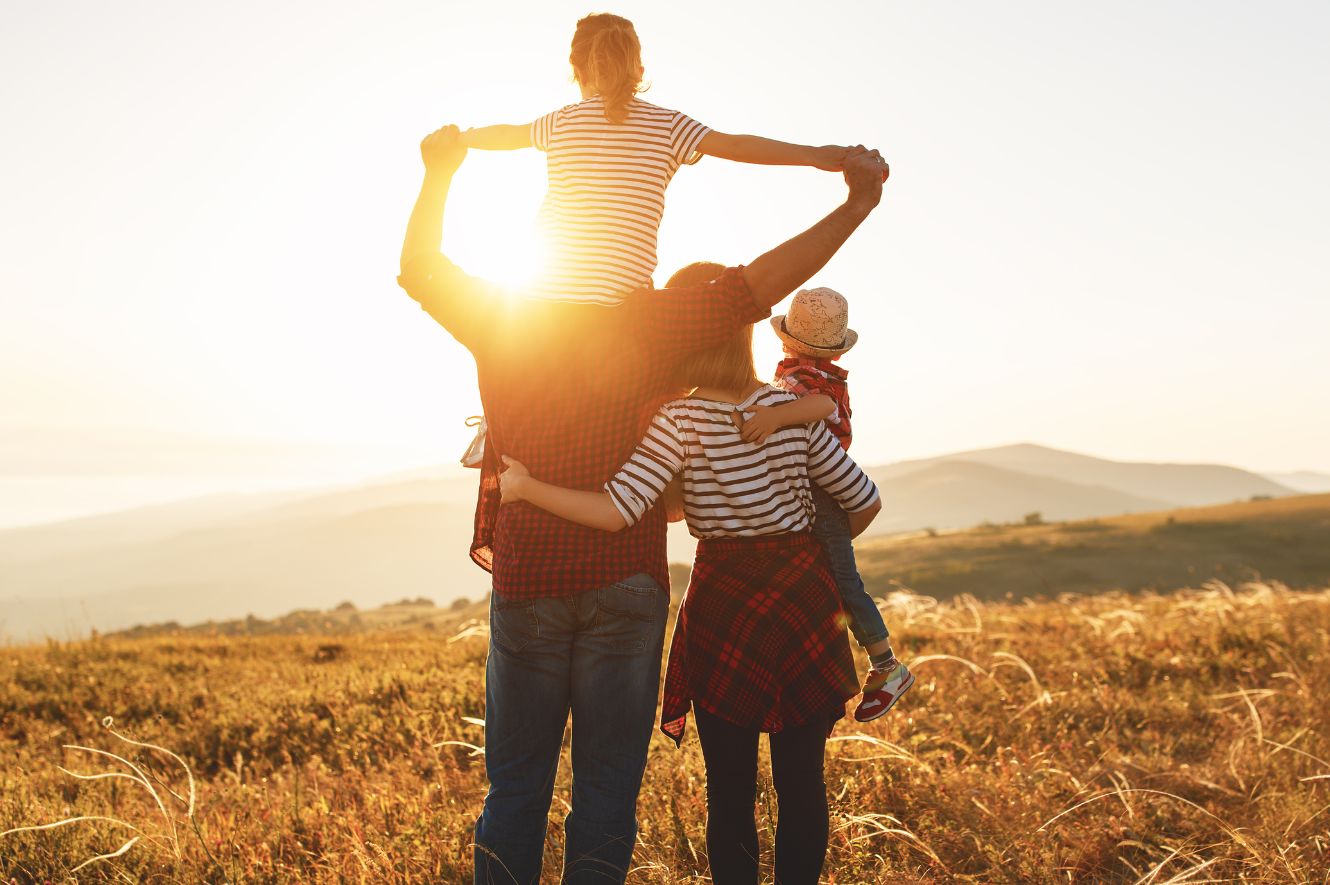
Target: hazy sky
[1106,228]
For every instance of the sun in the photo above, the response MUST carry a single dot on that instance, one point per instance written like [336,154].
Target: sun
[490,219]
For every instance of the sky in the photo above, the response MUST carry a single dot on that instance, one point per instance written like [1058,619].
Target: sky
[1105,229]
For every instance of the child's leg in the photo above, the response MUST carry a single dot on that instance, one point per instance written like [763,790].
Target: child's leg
[832,529]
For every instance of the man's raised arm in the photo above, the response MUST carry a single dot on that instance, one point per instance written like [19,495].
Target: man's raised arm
[787,267]
[459,302]
[443,155]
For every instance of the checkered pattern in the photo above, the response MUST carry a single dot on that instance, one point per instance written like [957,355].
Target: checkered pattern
[760,639]
[569,390]
[803,376]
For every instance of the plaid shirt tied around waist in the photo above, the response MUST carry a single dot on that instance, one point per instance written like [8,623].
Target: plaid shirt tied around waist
[568,390]
[760,637]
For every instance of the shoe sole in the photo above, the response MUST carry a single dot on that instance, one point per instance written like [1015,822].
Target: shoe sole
[905,686]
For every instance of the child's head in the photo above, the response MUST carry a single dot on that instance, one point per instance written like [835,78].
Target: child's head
[607,61]
[817,326]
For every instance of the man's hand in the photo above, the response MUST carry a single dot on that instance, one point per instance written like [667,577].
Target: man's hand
[512,480]
[442,150]
[757,428]
[865,171]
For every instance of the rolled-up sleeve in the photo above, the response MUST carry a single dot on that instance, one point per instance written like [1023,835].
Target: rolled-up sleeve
[464,305]
[672,323]
[642,479]
[831,467]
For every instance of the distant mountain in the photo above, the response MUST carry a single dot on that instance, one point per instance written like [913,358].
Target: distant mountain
[1305,481]
[370,545]
[957,494]
[1179,485]
[406,536]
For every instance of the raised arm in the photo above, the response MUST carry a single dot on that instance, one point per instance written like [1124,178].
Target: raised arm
[767,420]
[769,152]
[497,138]
[592,509]
[460,303]
[787,267]
[442,154]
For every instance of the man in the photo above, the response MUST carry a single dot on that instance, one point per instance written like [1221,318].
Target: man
[577,617]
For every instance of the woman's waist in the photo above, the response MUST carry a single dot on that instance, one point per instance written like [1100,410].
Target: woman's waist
[722,544]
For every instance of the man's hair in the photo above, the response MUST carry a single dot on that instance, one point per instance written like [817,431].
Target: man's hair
[695,273]
[607,59]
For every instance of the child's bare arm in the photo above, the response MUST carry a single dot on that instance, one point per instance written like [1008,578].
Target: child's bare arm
[767,420]
[769,152]
[497,138]
[592,509]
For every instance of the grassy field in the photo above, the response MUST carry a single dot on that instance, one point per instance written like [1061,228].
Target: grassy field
[1110,738]
[1283,539]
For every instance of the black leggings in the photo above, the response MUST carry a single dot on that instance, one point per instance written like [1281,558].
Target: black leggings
[796,770]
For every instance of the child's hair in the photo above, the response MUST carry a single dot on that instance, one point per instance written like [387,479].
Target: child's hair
[607,59]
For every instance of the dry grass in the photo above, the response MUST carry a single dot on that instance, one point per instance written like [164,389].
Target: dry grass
[1136,739]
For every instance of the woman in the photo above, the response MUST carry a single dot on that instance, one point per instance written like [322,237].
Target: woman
[760,642]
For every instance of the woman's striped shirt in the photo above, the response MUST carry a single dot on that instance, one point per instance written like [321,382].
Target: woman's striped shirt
[734,488]
[607,195]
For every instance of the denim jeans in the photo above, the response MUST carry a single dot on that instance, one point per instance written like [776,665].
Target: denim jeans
[596,654]
[832,529]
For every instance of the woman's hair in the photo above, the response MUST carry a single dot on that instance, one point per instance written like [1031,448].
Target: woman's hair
[607,59]
[727,366]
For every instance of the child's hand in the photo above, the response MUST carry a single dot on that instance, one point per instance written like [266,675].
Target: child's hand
[512,480]
[757,428]
[830,157]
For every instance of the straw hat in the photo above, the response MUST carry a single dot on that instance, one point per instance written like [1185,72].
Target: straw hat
[817,324]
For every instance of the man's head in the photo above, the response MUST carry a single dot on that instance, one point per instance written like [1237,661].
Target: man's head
[695,273]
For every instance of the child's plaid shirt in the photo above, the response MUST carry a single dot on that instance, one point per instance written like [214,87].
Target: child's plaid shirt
[804,376]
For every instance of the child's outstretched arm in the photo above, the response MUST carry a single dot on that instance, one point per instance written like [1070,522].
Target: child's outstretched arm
[767,420]
[497,138]
[592,509]
[769,152]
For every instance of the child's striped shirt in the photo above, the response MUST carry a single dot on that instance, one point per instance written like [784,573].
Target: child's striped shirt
[607,195]
[731,487]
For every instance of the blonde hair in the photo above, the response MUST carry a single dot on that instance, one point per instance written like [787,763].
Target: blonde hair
[607,59]
[726,366]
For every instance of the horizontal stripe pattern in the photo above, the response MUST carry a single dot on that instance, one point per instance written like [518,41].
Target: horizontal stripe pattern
[606,195]
[734,488]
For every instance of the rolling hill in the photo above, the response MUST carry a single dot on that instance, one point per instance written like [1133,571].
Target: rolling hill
[1285,539]
[406,536]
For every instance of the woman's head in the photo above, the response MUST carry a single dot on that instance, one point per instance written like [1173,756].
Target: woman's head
[607,61]
[727,366]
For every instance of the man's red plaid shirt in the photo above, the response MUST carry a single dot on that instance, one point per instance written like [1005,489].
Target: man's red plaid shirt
[804,376]
[569,390]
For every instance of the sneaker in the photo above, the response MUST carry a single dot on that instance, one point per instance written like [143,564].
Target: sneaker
[882,689]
